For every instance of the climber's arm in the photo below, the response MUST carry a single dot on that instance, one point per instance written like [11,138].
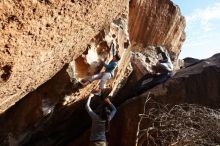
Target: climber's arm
[91,113]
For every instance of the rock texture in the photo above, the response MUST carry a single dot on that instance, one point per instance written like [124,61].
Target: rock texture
[156,22]
[59,102]
[190,61]
[198,84]
[142,59]
[39,37]
[44,53]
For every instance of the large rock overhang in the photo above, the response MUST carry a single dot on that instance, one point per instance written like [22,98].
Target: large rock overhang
[39,37]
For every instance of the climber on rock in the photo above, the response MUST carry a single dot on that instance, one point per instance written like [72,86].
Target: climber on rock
[104,76]
[162,72]
[164,65]
[100,122]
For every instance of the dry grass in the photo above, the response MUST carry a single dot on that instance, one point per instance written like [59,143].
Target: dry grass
[180,125]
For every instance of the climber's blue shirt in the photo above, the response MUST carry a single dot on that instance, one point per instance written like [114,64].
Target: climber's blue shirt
[110,67]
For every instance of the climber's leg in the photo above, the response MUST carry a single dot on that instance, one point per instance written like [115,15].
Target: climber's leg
[96,77]
[106,76]
[162,68]
[91,79]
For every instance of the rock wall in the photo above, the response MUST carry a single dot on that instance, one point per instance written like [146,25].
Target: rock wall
[197,84]
[156,22]
[39,37]
[45,52]
[59,102]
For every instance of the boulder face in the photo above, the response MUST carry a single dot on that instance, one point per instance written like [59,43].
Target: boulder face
[48,46]
[190,61]
[157,22]
[197,84]
[59,103]
[39,37]
[142,59]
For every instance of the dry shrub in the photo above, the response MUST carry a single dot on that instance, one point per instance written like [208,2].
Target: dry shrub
[180,125]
